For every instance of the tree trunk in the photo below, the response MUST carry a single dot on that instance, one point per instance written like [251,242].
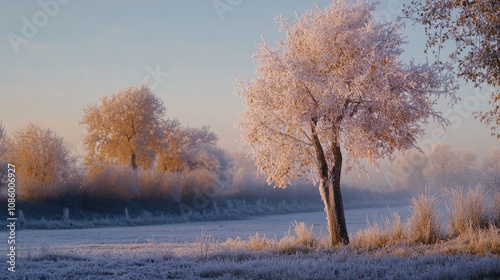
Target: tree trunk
[132,161]
[329,189]
[332,198]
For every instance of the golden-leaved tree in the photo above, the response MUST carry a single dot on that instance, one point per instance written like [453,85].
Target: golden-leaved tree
[127,128]
[43,160]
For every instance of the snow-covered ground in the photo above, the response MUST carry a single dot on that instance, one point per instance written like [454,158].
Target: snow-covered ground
[175,252]
[341,264]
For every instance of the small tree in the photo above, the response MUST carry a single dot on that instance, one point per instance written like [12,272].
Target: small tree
[127,128]
[407,171]
[448,168]
[335,86]
[475,28]
[44,162]
[194,149]
[184,144]
[440,170]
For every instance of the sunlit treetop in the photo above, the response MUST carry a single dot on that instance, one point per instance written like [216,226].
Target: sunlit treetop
[336,80]
[128,127]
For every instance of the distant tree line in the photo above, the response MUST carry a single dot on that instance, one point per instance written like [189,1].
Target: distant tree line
[444,167]
[133,151]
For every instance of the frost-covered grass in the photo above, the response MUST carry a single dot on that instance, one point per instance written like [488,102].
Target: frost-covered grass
[390,249]
[423,224]
[496,208]
[382,233]
[471,217]
[297,255]
[292,257]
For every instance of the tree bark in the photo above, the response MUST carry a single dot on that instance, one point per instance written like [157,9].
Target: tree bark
[133,161]
[329,190]
[334,208]
[338,203]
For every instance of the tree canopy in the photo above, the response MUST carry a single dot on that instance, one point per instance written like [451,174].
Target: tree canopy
[474,26]
[127,128]
[43,160]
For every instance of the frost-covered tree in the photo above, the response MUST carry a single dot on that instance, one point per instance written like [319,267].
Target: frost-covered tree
[439,170]
[466,172]
[474,26]
[44,162]
[447,168]
[335,91]
[406,171]
[184,145]
[195,149]
[127,128]
[491,170]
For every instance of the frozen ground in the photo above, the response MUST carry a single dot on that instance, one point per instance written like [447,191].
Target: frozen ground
[100,239]
[341,264]
[175,252]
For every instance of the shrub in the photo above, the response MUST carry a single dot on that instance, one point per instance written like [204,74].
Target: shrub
[302,241]
[467,211]
[122,182]
[305,236]
[374,235]
[423,224]
[496,209]
[481,241]
[258,243]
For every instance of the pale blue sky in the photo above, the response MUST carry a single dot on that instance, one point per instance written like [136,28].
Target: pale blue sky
[88,49]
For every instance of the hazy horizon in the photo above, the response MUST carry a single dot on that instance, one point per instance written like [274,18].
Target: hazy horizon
[189,52]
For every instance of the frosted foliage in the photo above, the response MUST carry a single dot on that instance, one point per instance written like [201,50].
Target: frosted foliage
[191,149]
[408,169]
[474,27]
[43,161]
[337,76]
[198,148]
[129,123]
[448,168]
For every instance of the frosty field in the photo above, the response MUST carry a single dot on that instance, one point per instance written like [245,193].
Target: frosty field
[271,226]
[201,251]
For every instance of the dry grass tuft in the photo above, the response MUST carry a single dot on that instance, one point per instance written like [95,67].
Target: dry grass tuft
[467,211]
[375,236]
[423,224]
